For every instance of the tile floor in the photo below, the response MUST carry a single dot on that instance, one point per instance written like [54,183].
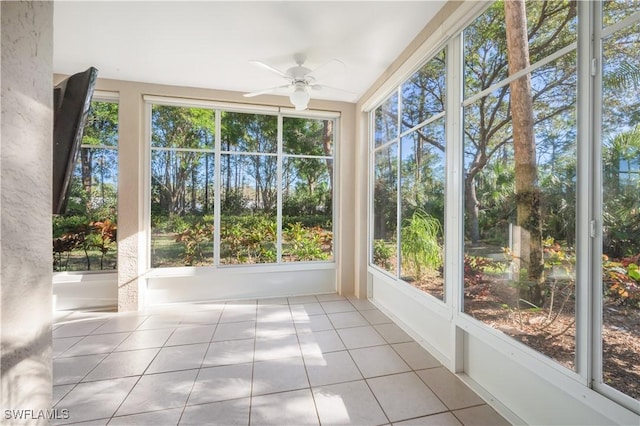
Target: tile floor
[321,359]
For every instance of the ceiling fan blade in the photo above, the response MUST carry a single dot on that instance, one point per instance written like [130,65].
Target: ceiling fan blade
[270,68]
[265,91]
[332,66]
[330,88]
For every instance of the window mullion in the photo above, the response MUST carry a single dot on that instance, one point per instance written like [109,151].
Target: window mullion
[279,192]
[216,188]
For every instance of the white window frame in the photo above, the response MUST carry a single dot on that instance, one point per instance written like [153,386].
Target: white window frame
[589,296]
[218,108]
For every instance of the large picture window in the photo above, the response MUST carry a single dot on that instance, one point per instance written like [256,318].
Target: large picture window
[520,176]
[272,175]
[409,179]
[84,237]
[620,148]
[543,232]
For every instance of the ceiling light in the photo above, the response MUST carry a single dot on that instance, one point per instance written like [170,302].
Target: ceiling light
[300,96]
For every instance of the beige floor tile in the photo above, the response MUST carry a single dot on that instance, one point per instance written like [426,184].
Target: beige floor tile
[235,331]
[72,369]
[173,358]
[334,306]
[222,383]
[234,412]
[392,333]
[480,416]
[320,342]
[286,408]
[229,352]
[348,404]
[155,392]
[161,417]
[404,396]
[449,388]
[442,419]
[279,375]
[278,346]
[331,368]
[96,400]
[187,335]
[347,319]
[145,339]
[123,364]
[375,316]
[378,361]
[360,337]
[415,355]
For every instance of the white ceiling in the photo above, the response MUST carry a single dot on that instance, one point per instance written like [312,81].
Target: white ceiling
[209,43]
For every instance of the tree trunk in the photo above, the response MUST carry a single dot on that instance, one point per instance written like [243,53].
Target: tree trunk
[327,139]
[526,172]
[86,160]
[471,205]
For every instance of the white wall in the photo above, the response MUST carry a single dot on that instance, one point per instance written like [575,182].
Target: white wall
[25,199]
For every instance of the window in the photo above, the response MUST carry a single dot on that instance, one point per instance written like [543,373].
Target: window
[272,175]
[409,170]
[620,150]
[182,186]
[307,189]
[527,146]
[84,237]
[520,177]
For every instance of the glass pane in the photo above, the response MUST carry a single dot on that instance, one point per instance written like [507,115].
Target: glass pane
[422,210]
[84,238]
[519,264]
[249,132]
[621,211]
[307,222]
[551,26]
[385,214]
[616,10]
[386,117]
[182,127]
[305,136]
[423,95]
[182,199]
[248,197]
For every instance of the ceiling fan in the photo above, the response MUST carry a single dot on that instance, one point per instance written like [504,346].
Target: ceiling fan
[300,81]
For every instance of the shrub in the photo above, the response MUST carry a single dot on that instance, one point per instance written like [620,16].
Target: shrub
[419,243]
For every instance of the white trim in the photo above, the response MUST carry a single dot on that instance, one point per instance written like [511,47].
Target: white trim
[626,22]
[425,123]
[530,69]
[105,96]
[202,103]
[309,113]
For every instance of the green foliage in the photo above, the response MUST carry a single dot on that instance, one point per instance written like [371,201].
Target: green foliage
[383,253]
[195,238]
[420,243]
[304,244]
[621,279]
[248,239]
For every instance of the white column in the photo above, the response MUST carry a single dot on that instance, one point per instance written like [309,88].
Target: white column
[26,35]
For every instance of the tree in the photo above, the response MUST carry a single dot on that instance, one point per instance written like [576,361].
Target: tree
[528,197]
[488,121]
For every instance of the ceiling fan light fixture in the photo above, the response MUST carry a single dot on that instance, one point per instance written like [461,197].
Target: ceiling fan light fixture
[300,96]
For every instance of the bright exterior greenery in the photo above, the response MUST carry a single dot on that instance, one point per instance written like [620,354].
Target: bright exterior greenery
[409,163]
[263,190]
[84,237]
[520,180]
[621,193]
